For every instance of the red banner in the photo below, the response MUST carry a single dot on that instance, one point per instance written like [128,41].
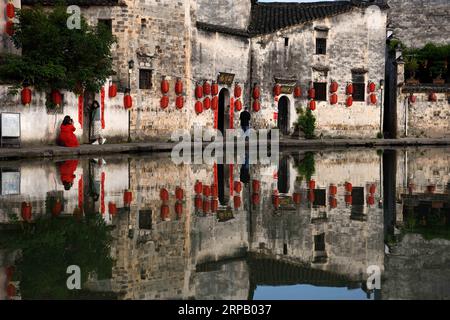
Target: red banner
[80,110]
[102,105]
[231,113]
[102,194]
[80,193]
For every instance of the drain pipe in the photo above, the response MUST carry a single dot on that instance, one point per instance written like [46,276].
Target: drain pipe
[406,104]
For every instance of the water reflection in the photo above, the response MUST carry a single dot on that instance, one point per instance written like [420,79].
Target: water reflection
[144,228]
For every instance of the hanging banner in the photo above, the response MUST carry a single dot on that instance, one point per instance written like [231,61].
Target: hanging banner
[80,110]
[102,106]
[102,193]
[231,113]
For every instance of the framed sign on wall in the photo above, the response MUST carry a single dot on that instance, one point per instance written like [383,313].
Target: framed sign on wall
[9,128]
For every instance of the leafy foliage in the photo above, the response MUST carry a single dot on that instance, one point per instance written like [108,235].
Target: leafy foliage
[307,167]
[54,56]
[307,123]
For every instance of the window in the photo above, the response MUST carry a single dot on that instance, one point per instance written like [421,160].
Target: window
[359,87]
[145,219]
[107,23]
[319,242]
[286,42]
[319,198]
[321,46]
[145,79]
[321,91]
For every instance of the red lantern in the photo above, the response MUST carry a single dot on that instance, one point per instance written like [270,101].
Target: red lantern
[164,86]
[412,98]
[179,209]
[311,196]
[26,96]
[238,186]
[256,185]
[373,98]
[165,212]
[206,103]
[432,97]
[334,98]
[179,102]
[214,205]
[199,91]
[333,86]
[112,90]
[372,188]
[206,191]
[11,290]
[296,197]
[348,199]
[198,187]
[214,190]
[57,208]
[238,105]
[26,211]
[333,190]
[10,272]
[179,193]
[348,187]
[206,88]
[277,90]
[164,194]
[371,200]
[255,198]
[372,87]
[10,10]
[56,97]
[215,103]
[312,184]
[256,105]
[179,87]
[349,89]
[312,105]
[127,101]
[198,202]
[164,103]
[297,91]
[349,102]
[206,206]
[237,202]
[312,93]
[256,92]
[9,28]
[198,107]
[237,91]
[276,201]
[127,198]
[112,208]
[214,89]
[333,202]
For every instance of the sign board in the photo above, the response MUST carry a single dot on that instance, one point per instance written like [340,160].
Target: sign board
[10,125]
[10,182]
[225,78]
[287,85]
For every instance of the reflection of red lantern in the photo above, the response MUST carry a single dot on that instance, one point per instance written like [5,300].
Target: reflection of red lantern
[112,90]
[9,28]
[215,103]
[206,191]
[371,200]
[333,202]
[333,190]
[165,212]
[255,198]
[10,10]
[179,87]
[11,290]
[296,197]
[215,89]
[348,187]
[206,206]
[127,197]
[10,272]
[198,107]
[214,190]
[238,105]
[256,185]
[238,186]
[237,201]
[56,97]
[206,103]
[179,193]
[312,184]
[198,187]
[26,96]
[179,102]
[214,205]
[311,196]
[112,208]
[198,202]
[164,194]
[164,102]
[372,188]
[348,199]
[206,88]
[26,211]
[57,208]
[256,105]
[276,201]
[178,209]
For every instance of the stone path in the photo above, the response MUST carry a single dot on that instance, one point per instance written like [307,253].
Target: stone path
[153,147]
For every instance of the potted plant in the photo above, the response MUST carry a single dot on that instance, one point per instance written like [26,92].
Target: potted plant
[437,69]
[411,66]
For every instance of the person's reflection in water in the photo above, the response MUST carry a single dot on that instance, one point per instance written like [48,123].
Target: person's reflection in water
[95,178]
[66,172]
[245,170]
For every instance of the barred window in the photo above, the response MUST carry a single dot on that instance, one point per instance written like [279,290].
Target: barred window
[321,46]
[359,87]
[145,79]
[321,91]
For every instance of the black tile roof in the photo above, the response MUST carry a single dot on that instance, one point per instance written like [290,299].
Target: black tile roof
[222,29]
[81,3]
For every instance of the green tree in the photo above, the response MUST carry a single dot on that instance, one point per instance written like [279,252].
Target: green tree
[54,56]
[307,123]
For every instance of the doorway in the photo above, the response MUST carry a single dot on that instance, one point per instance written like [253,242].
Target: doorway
[283,115]
[223,119]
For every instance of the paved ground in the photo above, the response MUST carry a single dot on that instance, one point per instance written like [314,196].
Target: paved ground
[151,147]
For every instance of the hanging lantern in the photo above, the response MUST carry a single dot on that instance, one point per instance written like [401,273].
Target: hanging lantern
[297,91]
[112,90]
[127,101]
[165,212]
[26,211]
[206,206]
[256,105]
[214,89]
[215,103]
[206,191]
[57,208]
[334,98]
[164,194]
[432,97]
[348,199]
[296,197]
[127,198]
[10,290]
[238,186]
[26,96]
[372,188]
[311,93]
[165,86]
[206,88]
[198,202]
[112,208]
[255,198]
[349,101]
[333,202]
[199,91]
[372,86]
[179,102]
[179,193]
[164,103]
[238,105]
[237,202]
[56,97]
[312,184]
[214,191]
[333,190]
[198,107]
[277,90]
[311,196]
[198,187]
[412,98]
[206,103]
[348,187]
[237,90]
[373,98]
[276,201]
[178,209]
[9,28]
[334,86]
[349,89]
[10,10]
[371,200]
[179,87]
[214,205]
[312,105]
[256,92]
[256,185]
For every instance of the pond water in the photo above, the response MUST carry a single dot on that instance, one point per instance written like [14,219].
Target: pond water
[317,225]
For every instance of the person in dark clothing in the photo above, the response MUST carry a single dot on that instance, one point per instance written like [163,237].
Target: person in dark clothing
[245,120]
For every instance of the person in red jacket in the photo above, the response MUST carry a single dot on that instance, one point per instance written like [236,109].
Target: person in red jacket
[67,137]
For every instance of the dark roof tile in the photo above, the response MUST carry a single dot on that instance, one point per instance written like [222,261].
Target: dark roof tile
[81,3]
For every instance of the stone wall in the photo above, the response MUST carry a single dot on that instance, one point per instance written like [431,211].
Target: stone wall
[229,13]
[418,22]
[355,40]
[6,45]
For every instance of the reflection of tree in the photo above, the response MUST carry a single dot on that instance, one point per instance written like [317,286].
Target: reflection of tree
[51,245]
[306,168]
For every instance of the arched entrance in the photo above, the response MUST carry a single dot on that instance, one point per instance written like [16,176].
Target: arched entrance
[283,115]
[223,119]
